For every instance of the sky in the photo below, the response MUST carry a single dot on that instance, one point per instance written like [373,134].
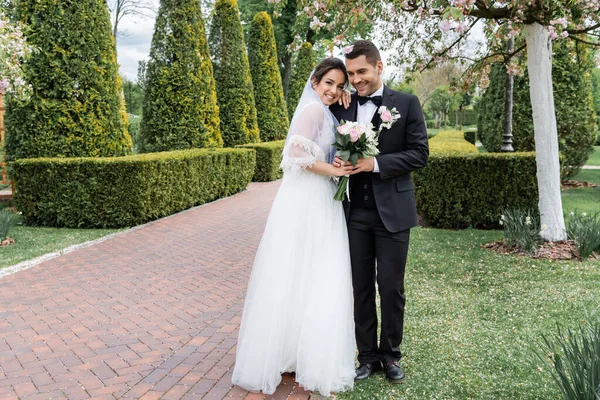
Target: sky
[133,44]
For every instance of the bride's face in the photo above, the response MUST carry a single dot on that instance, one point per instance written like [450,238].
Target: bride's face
[331,86]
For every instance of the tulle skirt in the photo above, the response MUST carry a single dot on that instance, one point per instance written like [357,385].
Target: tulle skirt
[298,309]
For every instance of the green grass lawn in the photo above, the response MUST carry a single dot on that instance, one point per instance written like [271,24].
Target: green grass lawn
[33,242]
[475,319]
[595,157]
[584,199]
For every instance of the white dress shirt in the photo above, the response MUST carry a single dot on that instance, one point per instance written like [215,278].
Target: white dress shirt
[365,114]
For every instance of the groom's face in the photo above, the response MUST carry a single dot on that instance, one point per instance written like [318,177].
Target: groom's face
[365,77]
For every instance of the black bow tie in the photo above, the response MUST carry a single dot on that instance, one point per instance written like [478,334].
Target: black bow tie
[374,99]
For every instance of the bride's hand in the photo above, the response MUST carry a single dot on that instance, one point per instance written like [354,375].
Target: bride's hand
[338,162]
[341,171]
[345,99]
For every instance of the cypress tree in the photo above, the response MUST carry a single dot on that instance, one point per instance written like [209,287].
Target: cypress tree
[235,92]
[76,108]
[180,102]
[268,91]
[305,63]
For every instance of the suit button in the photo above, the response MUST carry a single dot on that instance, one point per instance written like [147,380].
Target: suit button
[366,198]
[365,186]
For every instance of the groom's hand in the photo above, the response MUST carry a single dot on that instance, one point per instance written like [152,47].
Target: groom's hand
[364,165]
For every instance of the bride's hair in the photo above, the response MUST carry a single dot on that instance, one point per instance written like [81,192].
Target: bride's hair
[327,65]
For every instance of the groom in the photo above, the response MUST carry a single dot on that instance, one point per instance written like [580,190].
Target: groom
[381,209]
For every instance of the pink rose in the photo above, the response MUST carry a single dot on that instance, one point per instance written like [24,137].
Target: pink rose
[386,116]
[354,135]
[341,130]
[348,49]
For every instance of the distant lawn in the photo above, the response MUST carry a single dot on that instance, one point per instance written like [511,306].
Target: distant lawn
[595,157]
[584,199]
[33,242]
[588,175]
[475,318]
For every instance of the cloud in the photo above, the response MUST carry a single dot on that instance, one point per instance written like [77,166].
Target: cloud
[133,44]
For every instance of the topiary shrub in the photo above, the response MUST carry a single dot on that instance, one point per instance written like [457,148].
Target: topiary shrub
[235,91]
[268,159]
[180,101]
[271,109]
[471,136]
[75,108]
[304,65]
[126,191]
[576,122]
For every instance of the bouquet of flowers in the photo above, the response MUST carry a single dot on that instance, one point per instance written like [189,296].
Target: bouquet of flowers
[354,140]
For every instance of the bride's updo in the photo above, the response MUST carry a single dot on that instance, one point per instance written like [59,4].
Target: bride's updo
[327,65]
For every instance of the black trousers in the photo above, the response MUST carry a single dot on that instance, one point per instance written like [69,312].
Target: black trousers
[377,255]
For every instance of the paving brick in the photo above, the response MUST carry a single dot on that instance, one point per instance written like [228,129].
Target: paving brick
[154,312]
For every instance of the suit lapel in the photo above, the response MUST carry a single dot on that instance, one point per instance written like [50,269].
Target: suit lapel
[353,109]
[387,101]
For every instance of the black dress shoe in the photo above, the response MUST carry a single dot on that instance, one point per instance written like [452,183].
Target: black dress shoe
[366,370]
[393,372]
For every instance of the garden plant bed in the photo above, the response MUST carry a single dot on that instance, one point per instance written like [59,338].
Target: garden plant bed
[571,184]
[549,250]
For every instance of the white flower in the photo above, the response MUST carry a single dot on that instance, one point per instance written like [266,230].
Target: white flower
[501,222]
[528,220]
[502,218]
[544,227]
[584,214]
[572,214]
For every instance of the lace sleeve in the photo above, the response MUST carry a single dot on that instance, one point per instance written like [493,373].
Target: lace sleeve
[301,150]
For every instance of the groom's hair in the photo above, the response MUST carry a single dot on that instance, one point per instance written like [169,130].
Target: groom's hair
[365,48]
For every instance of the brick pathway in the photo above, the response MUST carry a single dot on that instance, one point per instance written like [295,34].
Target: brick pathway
[153,313]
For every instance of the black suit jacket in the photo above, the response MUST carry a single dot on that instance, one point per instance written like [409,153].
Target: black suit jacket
[402,149]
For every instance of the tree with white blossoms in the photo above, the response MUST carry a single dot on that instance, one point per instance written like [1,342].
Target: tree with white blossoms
[13,50]
[429,32]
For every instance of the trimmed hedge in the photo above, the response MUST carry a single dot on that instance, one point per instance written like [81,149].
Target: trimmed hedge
[471,136]
[460,187]
[126,191]
[268,159]
[471,190]
[451,143]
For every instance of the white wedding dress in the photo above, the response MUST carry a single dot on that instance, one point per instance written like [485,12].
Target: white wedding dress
[298,314]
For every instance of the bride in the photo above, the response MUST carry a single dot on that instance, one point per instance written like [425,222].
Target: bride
[298,309]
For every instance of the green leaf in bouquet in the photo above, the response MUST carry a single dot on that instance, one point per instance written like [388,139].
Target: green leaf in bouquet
[354,158]
[344,154]
[345,140]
